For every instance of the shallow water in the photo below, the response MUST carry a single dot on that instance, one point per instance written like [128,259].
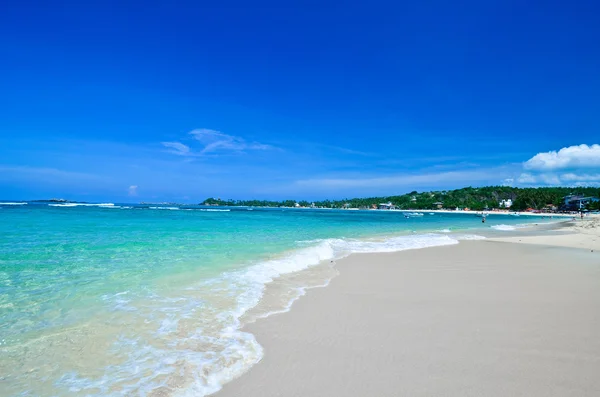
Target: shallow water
[148,300]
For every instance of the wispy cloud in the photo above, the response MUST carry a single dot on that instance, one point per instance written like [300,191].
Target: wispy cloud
[213,142]
[132,191]
[177,148]
[218,142]
[403,180]
[50,175]
[559,179]
[344,150]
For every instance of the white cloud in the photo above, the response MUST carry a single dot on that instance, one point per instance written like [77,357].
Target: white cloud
[526,178]
[177,148]
[581,156]
[577,165]
[216,141]
[132,191]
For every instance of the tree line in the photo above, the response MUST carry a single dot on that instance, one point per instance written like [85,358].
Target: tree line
[478,199]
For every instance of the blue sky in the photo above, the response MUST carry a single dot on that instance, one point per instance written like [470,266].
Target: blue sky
[182,100]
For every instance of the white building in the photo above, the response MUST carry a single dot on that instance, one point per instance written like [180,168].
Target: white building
[505,203]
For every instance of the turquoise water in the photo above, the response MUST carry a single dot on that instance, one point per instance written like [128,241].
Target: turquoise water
[137,300]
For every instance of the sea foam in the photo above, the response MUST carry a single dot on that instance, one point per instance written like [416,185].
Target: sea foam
[101,205]
[251,283]
[505,228]
[215,348]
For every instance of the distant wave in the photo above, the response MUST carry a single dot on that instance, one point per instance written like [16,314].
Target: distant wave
[10,203]
[414,214]
[205,210]
[165,208]
[504,227]
[102,205]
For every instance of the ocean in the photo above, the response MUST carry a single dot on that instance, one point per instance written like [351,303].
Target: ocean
[120,300]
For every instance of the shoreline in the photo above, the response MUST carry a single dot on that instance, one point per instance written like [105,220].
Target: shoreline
[511,213]
[275,373]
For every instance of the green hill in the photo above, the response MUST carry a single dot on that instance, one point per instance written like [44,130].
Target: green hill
[481,198]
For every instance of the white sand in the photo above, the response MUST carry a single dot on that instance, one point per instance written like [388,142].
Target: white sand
[581,234]
[481,318]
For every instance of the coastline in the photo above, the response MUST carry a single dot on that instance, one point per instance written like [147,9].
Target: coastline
[492,317]
[516,213]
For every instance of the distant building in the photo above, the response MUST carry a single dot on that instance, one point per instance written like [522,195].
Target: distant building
[507,203]
[438,205]
[387,206]
[575,202]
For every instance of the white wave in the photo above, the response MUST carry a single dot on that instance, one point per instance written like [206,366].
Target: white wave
[102,205]
[445,231]
[11,203]
[503,227]
[205,210]
[251,283]
[414,214]
[215,348]
[164,208]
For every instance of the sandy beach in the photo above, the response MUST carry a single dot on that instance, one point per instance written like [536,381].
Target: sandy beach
[512,316]
[583,234]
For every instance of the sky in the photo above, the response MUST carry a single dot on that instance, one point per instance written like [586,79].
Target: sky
[129,101]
